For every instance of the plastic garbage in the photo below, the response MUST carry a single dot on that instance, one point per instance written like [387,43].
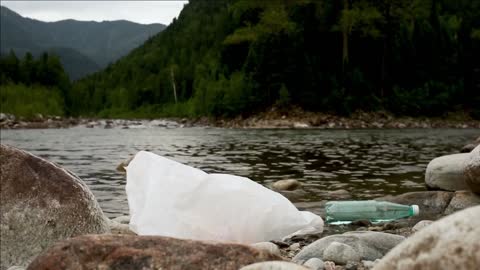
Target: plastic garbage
[171,199]
[343,212]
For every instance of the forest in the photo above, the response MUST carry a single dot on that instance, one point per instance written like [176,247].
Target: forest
[229,58]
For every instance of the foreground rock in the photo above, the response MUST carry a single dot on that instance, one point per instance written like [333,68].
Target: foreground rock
[41,203]
[446,172]
[146,252]
[472,170]
[350,247]
[450,243]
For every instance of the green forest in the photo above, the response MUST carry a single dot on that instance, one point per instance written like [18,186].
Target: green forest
[229,58]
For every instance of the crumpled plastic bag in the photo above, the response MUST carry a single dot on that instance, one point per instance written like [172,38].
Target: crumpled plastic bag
[168,198]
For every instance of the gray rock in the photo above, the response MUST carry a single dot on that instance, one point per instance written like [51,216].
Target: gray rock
[15,267]
[119,228]
[446,172]
[351,266]
[41,203]
[267,246]
[294,246]
[314,264]
[274,265]
[468,148]
[421,225]
[367,245]
[340,253]
[146,253]
[472,170]
[289,184]
[462,200]
[452,242]
[329,265]
[122,219]
[369,264]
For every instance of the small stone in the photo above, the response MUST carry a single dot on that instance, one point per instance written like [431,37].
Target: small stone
[351,266]
[274,265]
[314,264]
[421,224]
[122,219]
[368,264]
[267,246]
[121,167]
[329,265]
[362,222]
[468,148]
[289,184]
[294,246]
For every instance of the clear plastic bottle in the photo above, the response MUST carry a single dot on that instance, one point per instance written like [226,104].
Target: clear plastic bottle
[344,212]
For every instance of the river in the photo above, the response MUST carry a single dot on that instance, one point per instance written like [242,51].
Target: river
[367,163]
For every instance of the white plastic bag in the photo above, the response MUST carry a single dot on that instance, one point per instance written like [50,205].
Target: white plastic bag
[171,199]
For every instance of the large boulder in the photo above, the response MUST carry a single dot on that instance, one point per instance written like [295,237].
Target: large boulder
[472,170]
[41,203]
[350,246]
[146,252]
[449,243]
[446,172]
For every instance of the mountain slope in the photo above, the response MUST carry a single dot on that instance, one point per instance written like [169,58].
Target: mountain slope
[102,43]
[232,57]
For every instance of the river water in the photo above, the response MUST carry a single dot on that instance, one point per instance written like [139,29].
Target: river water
[367,163]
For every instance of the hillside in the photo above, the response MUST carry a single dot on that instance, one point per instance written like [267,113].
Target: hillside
[227,58]
[91,45]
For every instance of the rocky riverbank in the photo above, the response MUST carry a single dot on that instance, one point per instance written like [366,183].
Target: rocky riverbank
[50,220]
[273,118]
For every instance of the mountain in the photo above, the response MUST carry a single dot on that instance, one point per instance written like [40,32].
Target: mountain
[84,47]
[238,57]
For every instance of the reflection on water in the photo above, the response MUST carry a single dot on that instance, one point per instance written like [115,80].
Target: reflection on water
[368,163]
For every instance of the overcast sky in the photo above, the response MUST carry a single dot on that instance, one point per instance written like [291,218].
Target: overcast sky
[136,11]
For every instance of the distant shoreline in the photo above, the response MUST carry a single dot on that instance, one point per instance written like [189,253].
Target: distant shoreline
[271,119]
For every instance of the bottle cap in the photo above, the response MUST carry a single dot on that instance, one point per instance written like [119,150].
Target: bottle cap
[416,210]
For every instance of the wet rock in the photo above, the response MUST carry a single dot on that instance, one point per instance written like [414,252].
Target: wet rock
[356,246]
[468,148]
[146,252]
[267,246]
[289,184]
[274,265]
[432,204]
[41,204]
[421,224]
[314,264]
[472,170]
[452,242]
[462,200]
[446,173]
[121,167]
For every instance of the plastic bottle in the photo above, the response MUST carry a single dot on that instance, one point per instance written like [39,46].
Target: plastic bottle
[344,212]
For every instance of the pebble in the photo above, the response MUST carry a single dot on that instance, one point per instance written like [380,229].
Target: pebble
[294,246]
[267,246]
[421,224]
[314,264]
[329,265]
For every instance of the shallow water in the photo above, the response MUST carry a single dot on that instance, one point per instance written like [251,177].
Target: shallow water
[367,163]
